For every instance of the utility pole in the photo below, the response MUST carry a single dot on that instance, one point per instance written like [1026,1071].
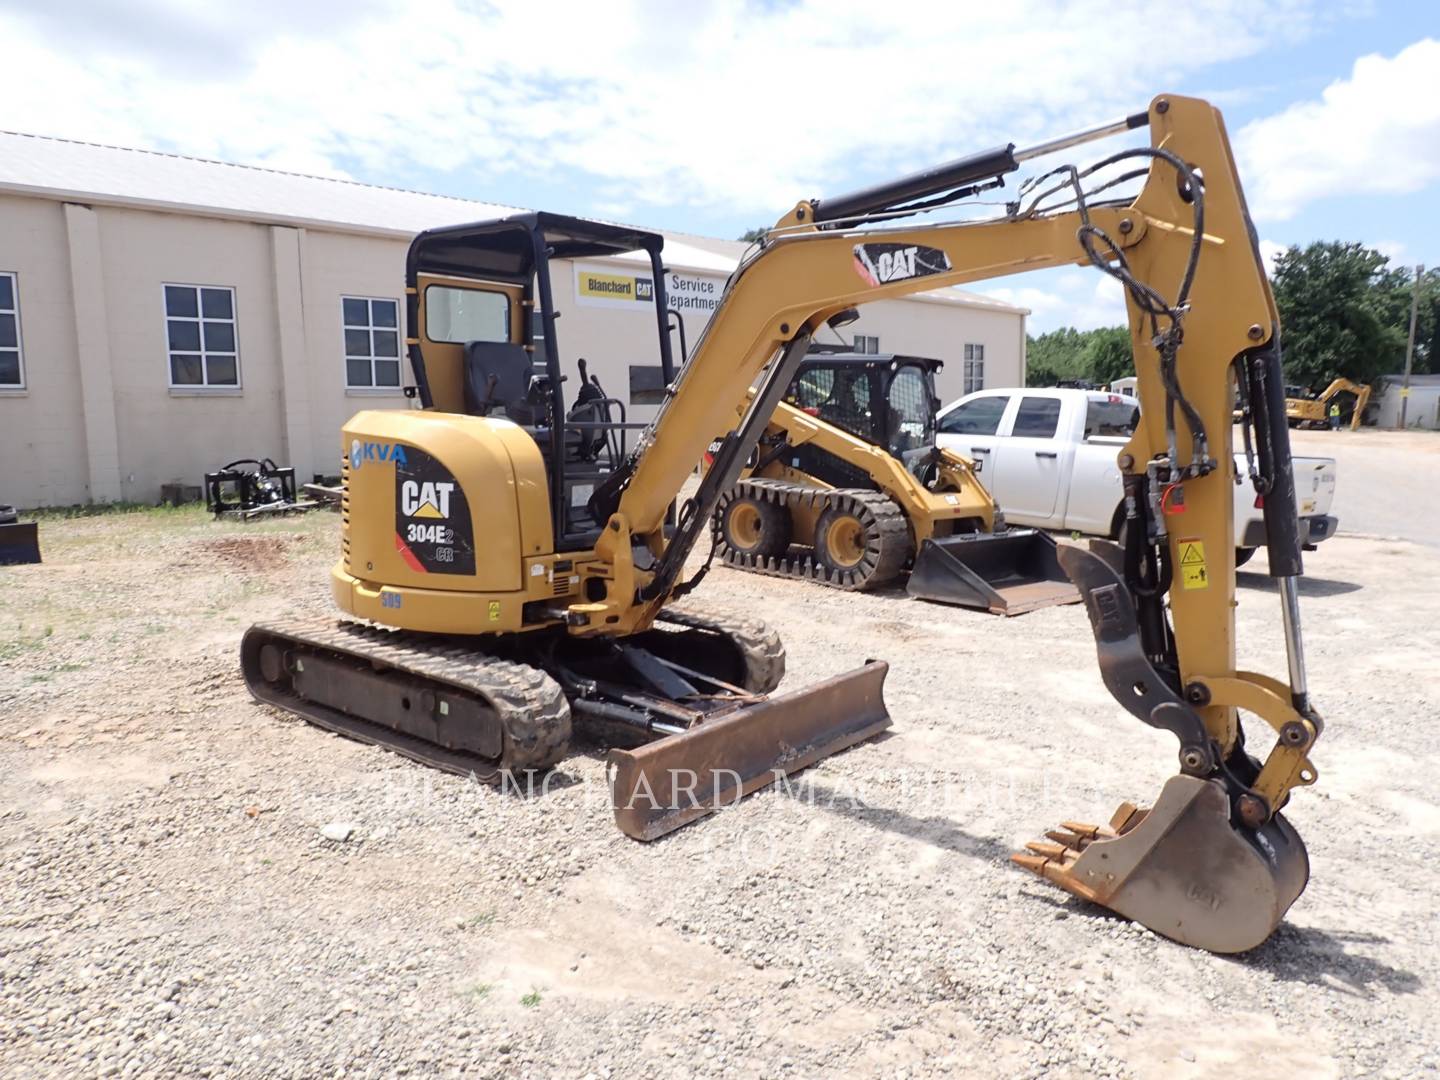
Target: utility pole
[1410,347]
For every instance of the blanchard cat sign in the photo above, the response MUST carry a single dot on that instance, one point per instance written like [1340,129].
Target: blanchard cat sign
[603,286]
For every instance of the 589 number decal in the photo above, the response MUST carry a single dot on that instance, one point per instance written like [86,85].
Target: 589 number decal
[428,534]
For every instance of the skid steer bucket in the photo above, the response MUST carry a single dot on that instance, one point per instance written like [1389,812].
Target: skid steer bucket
[1008,573]
[1181,868]
[658,787]
[19,543]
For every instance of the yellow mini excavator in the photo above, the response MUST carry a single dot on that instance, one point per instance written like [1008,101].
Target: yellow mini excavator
[848,489]
[509,564]
[1314,412]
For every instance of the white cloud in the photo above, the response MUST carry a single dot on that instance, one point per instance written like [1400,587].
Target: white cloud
[1269,252]
[1394,250]
[1057,298]
[707,103]
[1377,132]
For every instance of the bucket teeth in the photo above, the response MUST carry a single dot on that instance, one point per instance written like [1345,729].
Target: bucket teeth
[1050,851]
[1073,841]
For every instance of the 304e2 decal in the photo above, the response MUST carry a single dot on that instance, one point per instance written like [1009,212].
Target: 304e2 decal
[880,264]
[433,531]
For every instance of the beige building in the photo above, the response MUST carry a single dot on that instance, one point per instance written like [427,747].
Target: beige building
[161,315]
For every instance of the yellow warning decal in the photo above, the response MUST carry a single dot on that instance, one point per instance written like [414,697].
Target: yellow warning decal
[494,610]
[1193,572]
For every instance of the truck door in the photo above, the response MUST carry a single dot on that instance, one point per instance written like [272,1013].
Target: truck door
[971,429]
[1030,461]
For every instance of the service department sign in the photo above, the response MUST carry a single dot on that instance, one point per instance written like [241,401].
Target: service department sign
[605,286]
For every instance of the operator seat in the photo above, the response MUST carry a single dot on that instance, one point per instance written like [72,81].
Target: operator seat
[498,377]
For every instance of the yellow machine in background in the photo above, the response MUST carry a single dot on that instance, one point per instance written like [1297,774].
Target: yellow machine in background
[848,489]
[510,565]
[1315,412]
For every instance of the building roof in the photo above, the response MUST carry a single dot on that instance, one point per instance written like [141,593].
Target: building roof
[94,173]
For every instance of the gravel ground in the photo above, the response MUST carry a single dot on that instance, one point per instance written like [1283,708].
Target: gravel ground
[1381,473]
[176,896]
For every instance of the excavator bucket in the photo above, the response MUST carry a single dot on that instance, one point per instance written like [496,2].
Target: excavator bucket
[1181,868]
[658,787]
[1008,573]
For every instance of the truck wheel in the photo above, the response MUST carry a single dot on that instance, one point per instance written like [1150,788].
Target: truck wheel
[1243,555]
[753,527]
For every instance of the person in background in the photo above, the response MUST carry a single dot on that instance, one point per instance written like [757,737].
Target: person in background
[1334,416]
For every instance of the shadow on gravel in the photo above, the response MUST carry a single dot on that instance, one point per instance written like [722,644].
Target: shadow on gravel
[1309,586]
[938,831]
[1306,954]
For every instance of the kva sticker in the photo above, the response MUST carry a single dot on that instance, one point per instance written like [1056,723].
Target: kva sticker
[433,531]
[880,264]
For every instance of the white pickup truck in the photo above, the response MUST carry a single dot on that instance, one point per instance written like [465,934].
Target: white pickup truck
[1048,460]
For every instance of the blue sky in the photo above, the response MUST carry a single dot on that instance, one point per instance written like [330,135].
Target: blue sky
[712,117]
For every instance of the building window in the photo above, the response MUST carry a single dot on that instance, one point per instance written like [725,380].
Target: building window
[867,343]
[12,366]
[200,330]
[974,368]
[372,342]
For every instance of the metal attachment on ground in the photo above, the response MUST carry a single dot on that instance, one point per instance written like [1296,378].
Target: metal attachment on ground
[19,541]
[253,487]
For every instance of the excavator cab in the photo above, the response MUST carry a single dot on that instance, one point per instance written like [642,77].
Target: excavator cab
[485,344]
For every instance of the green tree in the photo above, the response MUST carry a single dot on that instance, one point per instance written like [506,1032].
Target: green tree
[1398,289]
[1107,355]
[751,236]
[1338,308]
[1098,356]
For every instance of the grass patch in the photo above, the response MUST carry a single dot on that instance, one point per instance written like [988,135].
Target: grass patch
[481,921]
[531,999]
[480,991]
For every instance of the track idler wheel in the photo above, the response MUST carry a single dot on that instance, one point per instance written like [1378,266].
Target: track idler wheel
[1181,868]
[755,527]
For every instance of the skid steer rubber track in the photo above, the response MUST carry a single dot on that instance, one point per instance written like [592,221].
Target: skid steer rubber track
[439,703]
[888,548]
[761,650]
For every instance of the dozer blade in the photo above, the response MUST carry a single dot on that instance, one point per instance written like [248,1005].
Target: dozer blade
[1181,868]
[1008,573]
[19,543]
[658,787]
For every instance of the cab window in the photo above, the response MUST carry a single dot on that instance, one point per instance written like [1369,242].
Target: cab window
[978,417]
[910,415]
[459,315]
[1037,418]
[1111,416]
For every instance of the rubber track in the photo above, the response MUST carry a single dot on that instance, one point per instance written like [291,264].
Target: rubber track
[888,535]
[761,646]
[531,705]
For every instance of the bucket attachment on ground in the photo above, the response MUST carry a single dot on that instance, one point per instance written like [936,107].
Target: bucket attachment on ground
[19,543]
[658,787]
[1008,573]
[1181,868]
